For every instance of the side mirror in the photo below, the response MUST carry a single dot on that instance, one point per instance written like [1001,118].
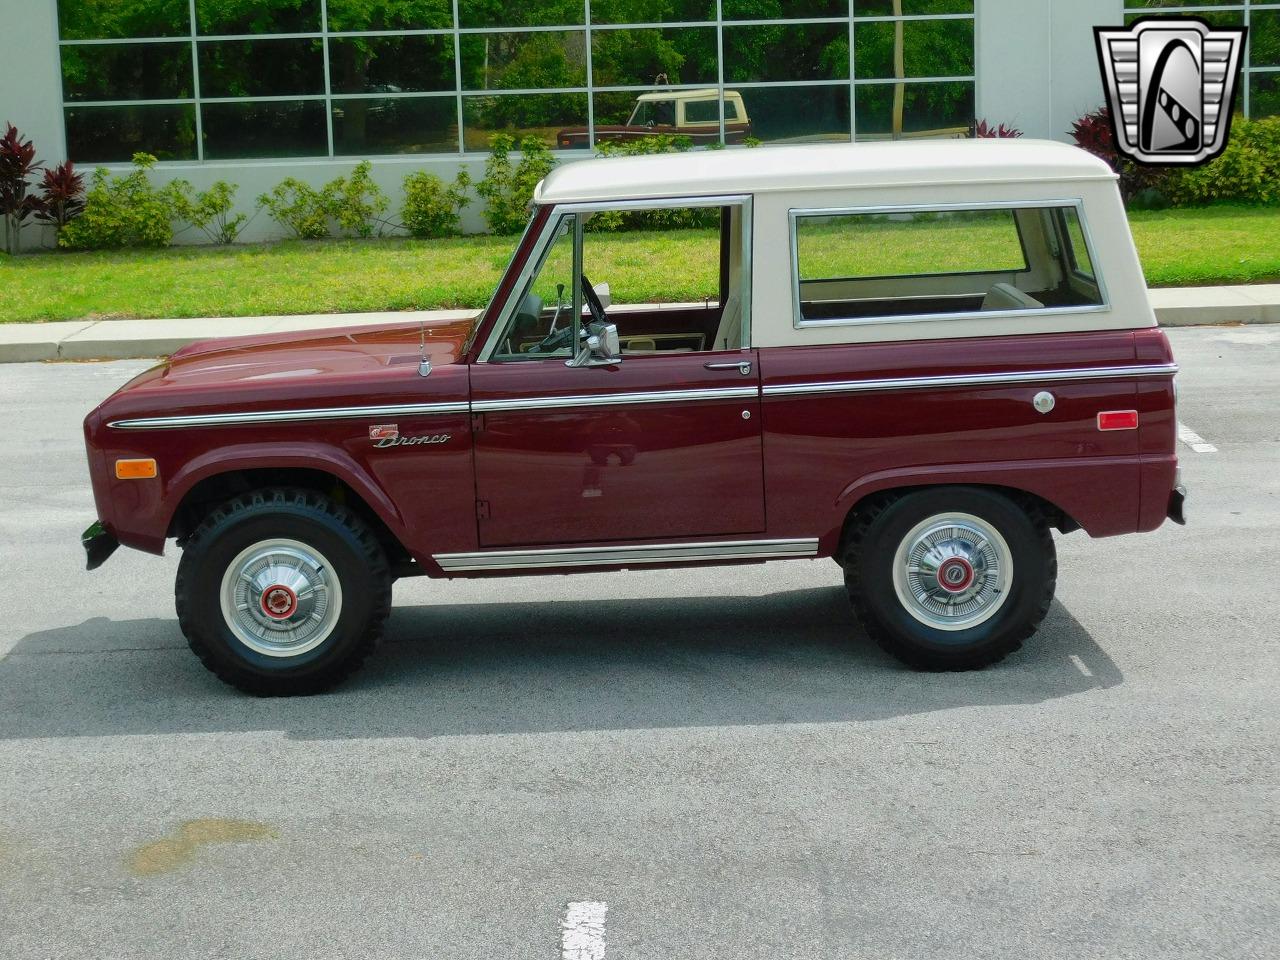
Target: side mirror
[600,348]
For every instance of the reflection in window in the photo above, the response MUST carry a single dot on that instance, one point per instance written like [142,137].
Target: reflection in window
[114,134]
[784,9]
[400,125]
[922,110]
[127,71]
[108,20]
[542,13]
[524,61]
[273,129]
[1264,94]
[349,15]
[798,114]
[909,8]
[930,48]
[257,16]
[638,58]
[261,68]
[1264,38]
[781,52]
[546,117]
[412,64]
[652,11]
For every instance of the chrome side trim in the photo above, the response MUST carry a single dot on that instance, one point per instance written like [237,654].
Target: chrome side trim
[614,399]
[972,380]
[613,556]
[288,416]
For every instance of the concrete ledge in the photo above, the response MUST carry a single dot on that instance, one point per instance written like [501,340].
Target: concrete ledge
[144,339]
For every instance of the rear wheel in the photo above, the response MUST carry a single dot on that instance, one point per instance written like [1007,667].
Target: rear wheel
[949,578]
[282,592]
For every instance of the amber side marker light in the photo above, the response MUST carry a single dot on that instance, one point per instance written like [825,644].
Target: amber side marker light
[135,469]
[1118,420]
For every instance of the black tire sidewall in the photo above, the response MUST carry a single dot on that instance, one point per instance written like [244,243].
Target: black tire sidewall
[205,562]
[1031,567]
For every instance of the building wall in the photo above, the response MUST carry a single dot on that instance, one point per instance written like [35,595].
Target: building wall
[1034,62]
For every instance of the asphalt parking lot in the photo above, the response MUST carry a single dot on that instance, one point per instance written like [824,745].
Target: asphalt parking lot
[719,755]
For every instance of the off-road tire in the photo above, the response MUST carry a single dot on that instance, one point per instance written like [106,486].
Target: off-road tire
[357,560]
[871,541]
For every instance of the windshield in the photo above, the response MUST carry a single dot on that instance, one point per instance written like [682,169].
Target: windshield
[651,113]
[535,218]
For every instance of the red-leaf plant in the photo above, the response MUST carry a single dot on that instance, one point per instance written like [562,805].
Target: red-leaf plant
[983,130]
[61,195]
[17,163]
[1094,132]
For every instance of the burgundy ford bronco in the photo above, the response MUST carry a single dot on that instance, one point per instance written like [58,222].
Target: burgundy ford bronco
[916,359]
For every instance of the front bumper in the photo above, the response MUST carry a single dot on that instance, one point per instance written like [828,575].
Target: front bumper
[99,544]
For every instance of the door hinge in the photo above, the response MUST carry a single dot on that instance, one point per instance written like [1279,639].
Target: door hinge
[482,509]
[477,422]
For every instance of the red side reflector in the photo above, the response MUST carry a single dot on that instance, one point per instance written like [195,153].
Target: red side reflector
[1118,420]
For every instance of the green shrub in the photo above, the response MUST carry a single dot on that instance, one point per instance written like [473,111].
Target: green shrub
[507,190]
[432,209]
[354,203]
[298,207]
[1247,172]
[124,211]
[210,210]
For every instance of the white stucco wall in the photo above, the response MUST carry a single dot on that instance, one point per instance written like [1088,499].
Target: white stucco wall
[1035,65]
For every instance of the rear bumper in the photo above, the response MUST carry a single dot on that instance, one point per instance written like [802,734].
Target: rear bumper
[99,544]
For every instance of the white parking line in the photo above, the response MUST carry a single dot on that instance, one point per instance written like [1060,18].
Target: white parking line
[582,931]
[1194,440]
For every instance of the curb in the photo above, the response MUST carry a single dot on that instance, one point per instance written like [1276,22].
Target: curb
[147,339]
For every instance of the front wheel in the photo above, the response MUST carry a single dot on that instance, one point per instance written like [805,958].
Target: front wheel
[949,578]
[282,592]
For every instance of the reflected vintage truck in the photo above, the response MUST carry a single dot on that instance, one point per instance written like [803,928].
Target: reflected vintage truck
[926,416]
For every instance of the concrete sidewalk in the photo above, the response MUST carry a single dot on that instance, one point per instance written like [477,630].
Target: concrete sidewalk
[134,339]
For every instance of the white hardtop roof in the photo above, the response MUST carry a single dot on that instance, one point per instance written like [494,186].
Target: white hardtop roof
[819,166]
[708,93]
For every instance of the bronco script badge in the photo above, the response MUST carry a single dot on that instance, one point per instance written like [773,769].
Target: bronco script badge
[1170,82]
[388,435]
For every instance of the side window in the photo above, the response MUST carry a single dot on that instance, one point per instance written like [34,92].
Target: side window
[701,111]
[914,263]
[670,279]
[730,111]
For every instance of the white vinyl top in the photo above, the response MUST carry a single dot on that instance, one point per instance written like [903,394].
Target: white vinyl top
[708,94]
[819,166]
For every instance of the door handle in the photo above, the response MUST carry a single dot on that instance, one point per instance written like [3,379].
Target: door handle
[742,366]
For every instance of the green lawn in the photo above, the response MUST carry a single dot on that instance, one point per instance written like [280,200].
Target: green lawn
[1178,247]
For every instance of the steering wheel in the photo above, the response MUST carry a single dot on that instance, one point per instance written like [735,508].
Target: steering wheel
[564,336]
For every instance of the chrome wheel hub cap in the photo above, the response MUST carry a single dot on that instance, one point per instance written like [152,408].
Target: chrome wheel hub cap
[952,571]
[281,598]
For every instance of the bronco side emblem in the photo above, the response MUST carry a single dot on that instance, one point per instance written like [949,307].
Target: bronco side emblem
[1170,83]
[412,441]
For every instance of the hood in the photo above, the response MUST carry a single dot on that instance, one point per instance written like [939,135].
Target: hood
[311,353]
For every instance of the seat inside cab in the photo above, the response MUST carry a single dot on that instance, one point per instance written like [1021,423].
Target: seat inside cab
[925,262]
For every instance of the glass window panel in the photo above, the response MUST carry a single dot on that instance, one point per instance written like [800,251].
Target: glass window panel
[817,51]
[261,68]
[930,48]
[928,110]
[910,8]
[524,61]
[797,114]
[640,58]
[1215,18]
[652,11]
[543,116]
[1264,95]
[784,9]
[257,16]
[127,71]
[541,13]
[546,306]
[413,64]
[395,125]
[1264,38]
[114,134]
[1077,245]
[347,15]
[111,19]
[1165,5]
[624,116]
[273,129]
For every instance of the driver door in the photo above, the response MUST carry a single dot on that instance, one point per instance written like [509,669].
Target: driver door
[657,446]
